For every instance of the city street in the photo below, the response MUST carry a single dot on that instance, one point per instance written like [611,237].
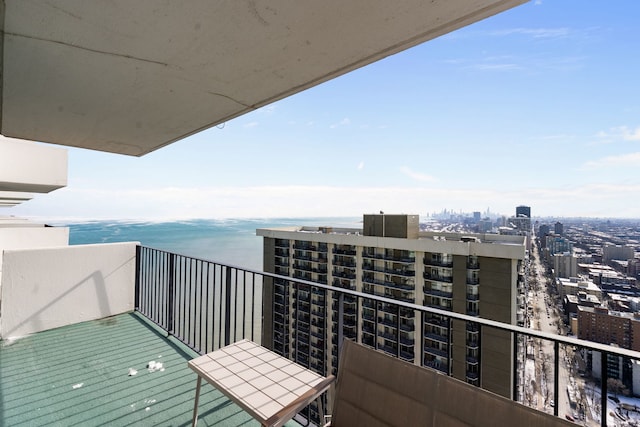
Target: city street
[545,317]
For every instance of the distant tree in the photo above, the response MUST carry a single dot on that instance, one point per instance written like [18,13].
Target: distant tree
[616,387]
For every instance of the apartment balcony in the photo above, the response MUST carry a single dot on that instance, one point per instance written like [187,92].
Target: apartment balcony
[436,364]
[473,297]
[436,337]
[344,283]
[320,270]
[279,243]
[280,262]
[400,272]
[368,266]
[401,286]
[400,259]
[349,252]
[132,301]
[437,262]
[442,323]
[436,352]
[343,261]
[438,293]
[437,278]
[344,274]
[473,265]
[372,255]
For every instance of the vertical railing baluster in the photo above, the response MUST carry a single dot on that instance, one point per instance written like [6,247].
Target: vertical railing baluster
[206,308]
[170,297]
[340,326]
[253,305]
[217,288]
[398,331]
[244,303]
[235,305]
[556,373]
[604,363]
[514,366]
[136,295]
[227,308]
[479,355]
[295,318]
[200,309]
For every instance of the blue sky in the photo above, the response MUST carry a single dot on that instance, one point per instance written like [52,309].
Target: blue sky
[539,105]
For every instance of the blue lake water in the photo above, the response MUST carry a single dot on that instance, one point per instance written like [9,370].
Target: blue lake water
[230,241]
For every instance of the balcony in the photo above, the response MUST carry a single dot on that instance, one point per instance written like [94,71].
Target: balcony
[437,278]
[143,297]
[473,297]
[438,262]
[79,375]
[436,337]
[372,255]
[436,352]
[400,259]
[348,252]
[438,293]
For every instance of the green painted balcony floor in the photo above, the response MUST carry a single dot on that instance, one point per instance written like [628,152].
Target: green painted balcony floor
[78,375]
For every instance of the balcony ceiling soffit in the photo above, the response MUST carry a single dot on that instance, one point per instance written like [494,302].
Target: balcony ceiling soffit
[132,76]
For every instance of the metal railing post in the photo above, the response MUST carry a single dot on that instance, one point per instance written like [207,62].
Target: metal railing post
[340,325]
[514,363]
[136,297]
[556,376]
[170,293]
[603,389]
[227,307]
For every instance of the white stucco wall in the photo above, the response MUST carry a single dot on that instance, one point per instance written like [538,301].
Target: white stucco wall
[30,237]
[52,287]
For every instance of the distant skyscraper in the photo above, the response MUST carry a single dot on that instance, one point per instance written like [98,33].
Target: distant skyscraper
[523,211]
[559,228]
[476,216]
[543,230]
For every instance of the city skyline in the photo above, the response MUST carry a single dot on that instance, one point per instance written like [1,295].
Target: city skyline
[535,106]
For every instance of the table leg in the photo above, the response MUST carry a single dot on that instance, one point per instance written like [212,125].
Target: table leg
[195,404]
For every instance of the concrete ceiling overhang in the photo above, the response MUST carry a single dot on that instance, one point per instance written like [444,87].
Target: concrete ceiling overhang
[132,76]
[10,198]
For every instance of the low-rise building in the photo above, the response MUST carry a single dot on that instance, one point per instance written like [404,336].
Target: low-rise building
[574,285]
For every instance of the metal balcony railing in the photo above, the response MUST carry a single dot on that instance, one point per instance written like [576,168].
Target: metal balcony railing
[207,305]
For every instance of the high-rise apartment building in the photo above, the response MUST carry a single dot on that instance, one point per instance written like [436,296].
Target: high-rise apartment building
[523,211]
[477,275]
[558,228]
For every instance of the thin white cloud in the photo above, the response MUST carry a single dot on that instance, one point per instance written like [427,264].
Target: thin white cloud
[537,2]
[556,137]
[344,122]
[624,160]
[361,165]
[536,33]
[618,133]
[251,125]
[496,67]
[418,176]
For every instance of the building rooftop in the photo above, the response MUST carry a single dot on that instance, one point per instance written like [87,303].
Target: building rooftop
[80,375]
